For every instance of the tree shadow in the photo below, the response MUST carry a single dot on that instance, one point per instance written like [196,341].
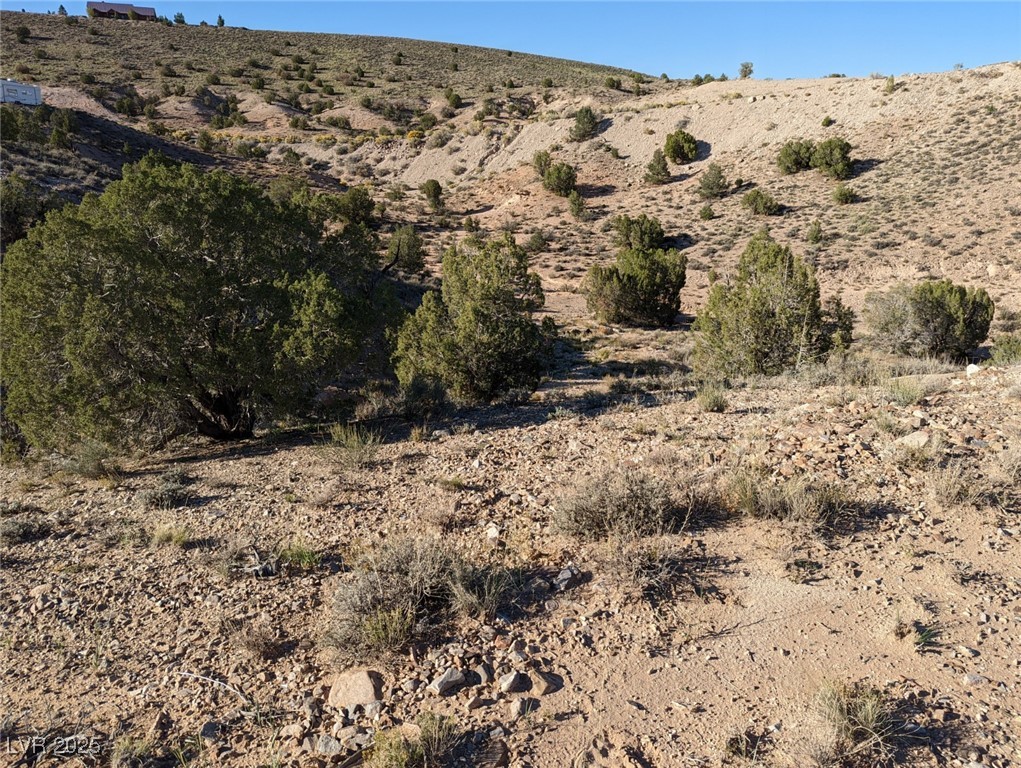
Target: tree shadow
[702,149]
[860,167]
[596,190]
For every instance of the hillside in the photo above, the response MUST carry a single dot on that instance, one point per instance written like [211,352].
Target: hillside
[848,534]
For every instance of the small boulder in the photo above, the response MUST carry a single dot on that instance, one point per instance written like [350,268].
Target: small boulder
[355,688]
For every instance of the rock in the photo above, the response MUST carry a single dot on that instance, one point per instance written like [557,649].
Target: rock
[493,535]
[210,731]
[373,709]
[567,578]
[972,679]
[42,589]
[494,755]
[518,708]
[345,733]
[327,745]
[916,440]
[355,688]
[513,682]
[292,731]
[972,369]
[475,702]
[966,651]
[449,680]
[485,673]
[160,727]
[544,683]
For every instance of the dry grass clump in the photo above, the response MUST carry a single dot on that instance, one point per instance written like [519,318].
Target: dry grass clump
[909,390]
[952,484]
[299,555]
[169,492]
[626,502]
[392,749]
[256,638]
[711,399]
[648,568]
[863,721]
[823,506]
[131,752]
[437,738]
[910,456]
[171,535]
[95,461]
[351,446]
[405,586]
[19,523]
[21,529]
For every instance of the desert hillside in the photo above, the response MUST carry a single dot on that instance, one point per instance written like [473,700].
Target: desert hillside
[628,566]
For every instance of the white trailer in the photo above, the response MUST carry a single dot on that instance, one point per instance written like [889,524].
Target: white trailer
[13,92]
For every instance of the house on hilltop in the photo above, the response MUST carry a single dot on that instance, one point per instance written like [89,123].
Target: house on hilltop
[120,11]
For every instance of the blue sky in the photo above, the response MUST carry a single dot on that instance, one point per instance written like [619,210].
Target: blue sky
[791,39]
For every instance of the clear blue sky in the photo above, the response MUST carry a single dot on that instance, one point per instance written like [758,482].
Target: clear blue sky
[791,39]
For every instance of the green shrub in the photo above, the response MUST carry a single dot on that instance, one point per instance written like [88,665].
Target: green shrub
[681,147]
[795,156]
[405,251]
[933,318]
[761,203]
[21,202]
[833,158]
[1007,349]
[814,232]
[433,194]
[560,179]
[766,320]
[111,333]
[613,83]
[22,33]
[827,121]
[477,337]
[541,161]
[642,288]
[713,183]
[657,172]
[577,205]
[844,195]
[643,233]
[706,212]
[585,125]
[837,323]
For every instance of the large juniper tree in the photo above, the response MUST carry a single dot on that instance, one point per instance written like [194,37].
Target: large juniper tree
[181,300]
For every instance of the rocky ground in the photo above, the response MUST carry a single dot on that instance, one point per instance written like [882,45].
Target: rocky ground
[180,626]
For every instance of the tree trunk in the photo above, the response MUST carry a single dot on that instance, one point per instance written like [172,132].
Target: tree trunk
[222,415]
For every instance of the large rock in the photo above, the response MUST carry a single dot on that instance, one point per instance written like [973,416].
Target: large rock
[355,688]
